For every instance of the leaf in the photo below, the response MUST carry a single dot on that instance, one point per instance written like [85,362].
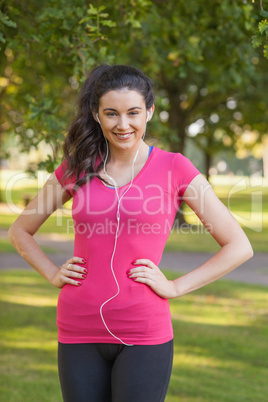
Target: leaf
[83,20]
[91,28]
[6,21]
[29,98]
[36,38]
[264,13]
[265,51]
[101,8]
[173,55]
[263,26]
[92,10]
[194,40]
[256,41]
[2,39]
[108,23]
[133,22]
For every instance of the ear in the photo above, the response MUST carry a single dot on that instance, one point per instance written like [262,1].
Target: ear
[150,113]
[95,116]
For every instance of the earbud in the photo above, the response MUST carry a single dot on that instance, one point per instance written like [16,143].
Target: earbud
[148,115]
[97,117]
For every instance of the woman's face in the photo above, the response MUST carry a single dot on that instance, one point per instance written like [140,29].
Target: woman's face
[123,115]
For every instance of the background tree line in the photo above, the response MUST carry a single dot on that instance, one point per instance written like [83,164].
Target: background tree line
[205,57]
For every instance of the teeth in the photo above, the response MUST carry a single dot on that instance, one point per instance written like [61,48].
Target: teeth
[123,136]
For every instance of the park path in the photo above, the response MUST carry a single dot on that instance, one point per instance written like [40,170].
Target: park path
[254,271]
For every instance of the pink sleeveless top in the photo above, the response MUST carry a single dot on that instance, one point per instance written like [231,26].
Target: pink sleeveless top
[137,315]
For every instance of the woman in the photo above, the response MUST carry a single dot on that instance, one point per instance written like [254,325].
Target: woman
[115,332]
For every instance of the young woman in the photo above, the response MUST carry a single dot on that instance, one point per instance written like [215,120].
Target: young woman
[114,324]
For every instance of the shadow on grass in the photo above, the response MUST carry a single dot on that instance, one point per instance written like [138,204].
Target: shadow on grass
[220,342]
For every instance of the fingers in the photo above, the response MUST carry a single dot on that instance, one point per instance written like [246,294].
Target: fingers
[70,270]
[144,261]
[145,272]
[143,275]
[148,273]
[74,260]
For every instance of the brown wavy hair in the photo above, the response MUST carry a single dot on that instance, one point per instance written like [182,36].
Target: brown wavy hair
[85,143]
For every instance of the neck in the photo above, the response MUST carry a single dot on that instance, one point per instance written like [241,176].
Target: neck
[126,157]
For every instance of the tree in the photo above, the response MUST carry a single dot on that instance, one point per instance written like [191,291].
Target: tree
[46,55]
[198,52]
[201,58]
[261,36]
[244,112]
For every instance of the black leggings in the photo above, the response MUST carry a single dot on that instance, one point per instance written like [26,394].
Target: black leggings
[101,372]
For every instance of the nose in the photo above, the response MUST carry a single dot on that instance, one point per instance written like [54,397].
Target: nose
[122,123]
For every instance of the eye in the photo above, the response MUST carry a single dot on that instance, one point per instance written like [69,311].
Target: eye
[133,113]
[111,114]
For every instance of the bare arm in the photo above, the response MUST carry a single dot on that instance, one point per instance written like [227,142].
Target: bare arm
[235,246]
[20,234]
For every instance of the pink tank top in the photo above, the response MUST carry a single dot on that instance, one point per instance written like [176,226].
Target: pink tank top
[137,315]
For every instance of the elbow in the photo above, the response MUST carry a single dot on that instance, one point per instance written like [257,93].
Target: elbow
[250,252]
[247,252]
[12,235]
[242,251]
[15,238]
[18,237]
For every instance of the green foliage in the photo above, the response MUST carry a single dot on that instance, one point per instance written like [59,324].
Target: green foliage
[264,13]
[200,56]
[56,47]
[191,239]
[96,14]
[220,337]
[5,22]
[47,57]
[198,53]
[261,37]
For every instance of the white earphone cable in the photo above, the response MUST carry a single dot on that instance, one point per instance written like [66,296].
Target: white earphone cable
[118,223]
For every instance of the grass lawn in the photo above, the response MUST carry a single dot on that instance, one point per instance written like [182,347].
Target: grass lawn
[221,349]
[54,224]
[247,200]
[6,247]
[194,240]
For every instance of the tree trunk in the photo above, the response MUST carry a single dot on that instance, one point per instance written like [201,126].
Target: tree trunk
[208,151]
[1,198]
[208,159]
[177,119]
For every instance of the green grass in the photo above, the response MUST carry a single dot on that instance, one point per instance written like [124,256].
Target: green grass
[18,196]
[54,224]
[220,342]
[28,338]
[6,247]
[249,205]
[201,241]
[194,240]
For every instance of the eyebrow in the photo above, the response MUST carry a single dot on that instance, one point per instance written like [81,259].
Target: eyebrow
[114,110]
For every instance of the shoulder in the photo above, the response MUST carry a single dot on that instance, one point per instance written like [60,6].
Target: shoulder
[175,159]
[182,170]
[67,182]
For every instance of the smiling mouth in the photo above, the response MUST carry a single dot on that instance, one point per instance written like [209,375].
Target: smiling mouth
[123,136]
